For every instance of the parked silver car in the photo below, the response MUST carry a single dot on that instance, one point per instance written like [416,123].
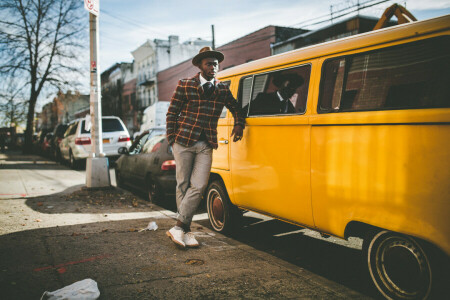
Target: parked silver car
[76,144]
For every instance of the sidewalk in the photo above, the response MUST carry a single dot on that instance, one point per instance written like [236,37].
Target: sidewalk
[129,264]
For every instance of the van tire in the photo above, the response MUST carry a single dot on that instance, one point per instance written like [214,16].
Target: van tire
[399,266]
[224,217]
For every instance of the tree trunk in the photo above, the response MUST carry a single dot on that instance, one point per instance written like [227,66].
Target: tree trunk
[28,142]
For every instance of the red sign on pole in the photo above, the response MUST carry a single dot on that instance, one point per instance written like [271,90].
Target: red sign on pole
[92,6]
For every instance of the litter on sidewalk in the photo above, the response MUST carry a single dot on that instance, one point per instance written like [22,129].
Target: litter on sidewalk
[86,289]
[151,226]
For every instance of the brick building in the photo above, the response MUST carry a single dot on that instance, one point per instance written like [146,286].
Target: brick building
[351,26]
[253,46]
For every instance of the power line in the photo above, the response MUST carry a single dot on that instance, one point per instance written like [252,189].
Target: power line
[307,23]
[133,23]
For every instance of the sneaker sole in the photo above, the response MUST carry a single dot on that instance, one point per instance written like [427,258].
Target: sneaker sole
[175,241]
[193,246]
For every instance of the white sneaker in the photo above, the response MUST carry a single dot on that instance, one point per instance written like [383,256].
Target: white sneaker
[177,236]
[190,241]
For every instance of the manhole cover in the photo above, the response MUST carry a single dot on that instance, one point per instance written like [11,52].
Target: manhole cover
[194,261]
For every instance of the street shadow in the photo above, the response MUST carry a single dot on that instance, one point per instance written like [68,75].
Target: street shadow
[79,199]
[38,165]
[332,261]
[28,161]
[47,259]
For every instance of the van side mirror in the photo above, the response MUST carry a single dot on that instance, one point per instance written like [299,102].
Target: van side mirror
[123,150]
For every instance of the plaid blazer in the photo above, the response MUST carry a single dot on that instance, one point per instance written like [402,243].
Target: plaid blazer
[189,112]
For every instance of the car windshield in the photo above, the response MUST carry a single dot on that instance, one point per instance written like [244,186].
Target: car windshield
[108,125]
[157,131]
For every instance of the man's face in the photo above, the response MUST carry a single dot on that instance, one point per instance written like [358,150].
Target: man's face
[209,67]
[287,89]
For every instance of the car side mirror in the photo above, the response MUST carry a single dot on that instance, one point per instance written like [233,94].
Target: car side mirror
[123,150]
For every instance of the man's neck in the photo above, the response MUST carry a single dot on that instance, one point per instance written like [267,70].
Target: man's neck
[205,78]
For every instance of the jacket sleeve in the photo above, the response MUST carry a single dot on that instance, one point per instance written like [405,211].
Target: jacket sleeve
[175,107]
[236,111]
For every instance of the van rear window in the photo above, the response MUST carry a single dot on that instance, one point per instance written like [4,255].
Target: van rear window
[413,75]
[108,125]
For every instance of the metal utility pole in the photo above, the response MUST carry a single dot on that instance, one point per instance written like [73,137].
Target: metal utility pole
[97,168]
[213,38]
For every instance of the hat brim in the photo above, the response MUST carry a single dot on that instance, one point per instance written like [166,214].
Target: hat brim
[214,54]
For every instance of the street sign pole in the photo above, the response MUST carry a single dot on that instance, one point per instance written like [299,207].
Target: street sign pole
[97,168]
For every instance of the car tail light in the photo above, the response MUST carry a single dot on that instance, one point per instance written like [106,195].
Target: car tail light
[168,165]
[124,138]
[83,141]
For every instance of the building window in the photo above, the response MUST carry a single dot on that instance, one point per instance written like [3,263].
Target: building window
[413,75]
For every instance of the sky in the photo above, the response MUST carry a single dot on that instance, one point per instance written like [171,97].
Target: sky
[125,25]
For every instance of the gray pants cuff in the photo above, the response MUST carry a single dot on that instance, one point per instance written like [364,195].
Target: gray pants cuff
[183,219]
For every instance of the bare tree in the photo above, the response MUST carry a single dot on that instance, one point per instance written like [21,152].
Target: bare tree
[12,104]
[40,43]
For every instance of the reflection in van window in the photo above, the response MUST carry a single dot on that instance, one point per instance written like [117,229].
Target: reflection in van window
[245,88]
[415,75]
[282,92]
[223,114]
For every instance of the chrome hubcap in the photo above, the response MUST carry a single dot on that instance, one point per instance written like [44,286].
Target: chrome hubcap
[402,268]
[216,209]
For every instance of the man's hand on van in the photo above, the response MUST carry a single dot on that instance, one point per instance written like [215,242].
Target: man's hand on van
[238,131]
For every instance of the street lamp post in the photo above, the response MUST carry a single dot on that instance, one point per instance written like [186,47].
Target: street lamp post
[97,168]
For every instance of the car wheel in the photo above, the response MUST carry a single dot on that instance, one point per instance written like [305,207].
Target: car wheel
[73,162]
[223,215]
[399,266]
[59,157]
[119,179]
[154,192]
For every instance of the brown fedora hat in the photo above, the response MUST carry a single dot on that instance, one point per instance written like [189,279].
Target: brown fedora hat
[207,52]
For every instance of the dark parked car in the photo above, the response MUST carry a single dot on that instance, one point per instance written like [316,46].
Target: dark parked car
[58,134]
[38,141]
[46,145]
[148,165]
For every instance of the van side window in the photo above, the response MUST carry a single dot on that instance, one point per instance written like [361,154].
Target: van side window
[223,114]
[413,75]
[278,93]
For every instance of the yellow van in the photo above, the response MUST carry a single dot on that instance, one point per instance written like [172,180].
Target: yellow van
[350,138]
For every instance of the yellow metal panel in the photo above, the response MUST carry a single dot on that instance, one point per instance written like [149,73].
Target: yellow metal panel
[270,169]
[392,176]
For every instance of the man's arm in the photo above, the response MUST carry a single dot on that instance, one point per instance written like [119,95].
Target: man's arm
[175,107]
[238,115]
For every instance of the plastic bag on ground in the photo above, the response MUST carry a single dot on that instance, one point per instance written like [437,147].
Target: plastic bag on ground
[150,226]
[86,289]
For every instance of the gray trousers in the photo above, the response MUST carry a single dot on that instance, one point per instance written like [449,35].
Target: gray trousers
[193,165]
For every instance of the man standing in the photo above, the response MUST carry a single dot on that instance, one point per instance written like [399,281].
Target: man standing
[192,119]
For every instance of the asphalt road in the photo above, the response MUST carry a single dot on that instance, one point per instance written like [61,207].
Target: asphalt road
[334,259]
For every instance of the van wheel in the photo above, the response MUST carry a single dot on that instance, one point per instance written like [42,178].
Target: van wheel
[399,266]
[222,214]
[154,192]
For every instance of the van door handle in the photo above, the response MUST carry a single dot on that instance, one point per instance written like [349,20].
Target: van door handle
[223,142]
